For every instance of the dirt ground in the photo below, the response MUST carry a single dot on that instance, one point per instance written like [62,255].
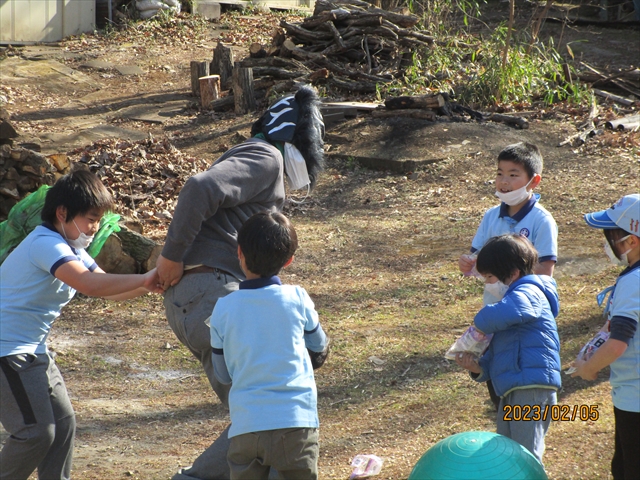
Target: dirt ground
[378,256]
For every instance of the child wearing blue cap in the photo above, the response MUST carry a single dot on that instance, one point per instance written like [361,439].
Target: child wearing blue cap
[621,351]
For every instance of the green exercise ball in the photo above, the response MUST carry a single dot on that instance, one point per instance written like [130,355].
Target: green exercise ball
[477,456]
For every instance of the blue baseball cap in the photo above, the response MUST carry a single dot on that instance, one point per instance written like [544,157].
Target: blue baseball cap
[624,214]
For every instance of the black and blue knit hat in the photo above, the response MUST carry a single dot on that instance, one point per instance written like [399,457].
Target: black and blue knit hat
[296,119]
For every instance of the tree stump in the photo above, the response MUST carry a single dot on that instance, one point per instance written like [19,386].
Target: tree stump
[222,64]
[198,69]
[209,90]
[244,99]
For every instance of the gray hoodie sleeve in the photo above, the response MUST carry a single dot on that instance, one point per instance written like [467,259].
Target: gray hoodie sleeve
[247,173]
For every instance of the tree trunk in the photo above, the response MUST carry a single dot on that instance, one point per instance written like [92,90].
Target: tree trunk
[222,64]
[244,99]
[198,69]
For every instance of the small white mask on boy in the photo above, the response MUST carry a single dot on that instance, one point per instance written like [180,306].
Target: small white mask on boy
[623,260]
[82,242]
[516,196]
[494,292]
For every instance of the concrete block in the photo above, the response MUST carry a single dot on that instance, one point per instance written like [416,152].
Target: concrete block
[208,9]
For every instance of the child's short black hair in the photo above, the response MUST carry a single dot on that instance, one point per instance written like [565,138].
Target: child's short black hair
[503,254]
[267,240]
[78,191]
[526,154]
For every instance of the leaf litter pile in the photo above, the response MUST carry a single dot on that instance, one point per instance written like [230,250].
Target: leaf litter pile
[144,177]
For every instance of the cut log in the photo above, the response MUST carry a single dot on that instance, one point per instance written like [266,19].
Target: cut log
[60,162]
[336,34]
[256,50]
[244,99]
[615,98]
[365,20]
[287,48]
[280,73]
[209,90]
[135,245]
[113,259]
[198,69]
[150,263]
[304,34]
[424,101]
[222,64]
[424,114]
[281,62]
[380,30]
[428,39]
[509,120]
[325,17]
[362,87]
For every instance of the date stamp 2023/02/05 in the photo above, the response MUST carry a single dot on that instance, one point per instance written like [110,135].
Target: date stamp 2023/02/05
[557,413]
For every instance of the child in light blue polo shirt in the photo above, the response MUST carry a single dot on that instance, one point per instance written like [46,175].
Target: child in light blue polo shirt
[519,173]
[39,277]
[263,337]
[621,227]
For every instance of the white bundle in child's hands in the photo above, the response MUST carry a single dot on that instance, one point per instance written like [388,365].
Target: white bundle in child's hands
[471,341]
[591,346]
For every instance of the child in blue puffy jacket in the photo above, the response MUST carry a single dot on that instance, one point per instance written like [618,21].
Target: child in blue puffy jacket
[523,358]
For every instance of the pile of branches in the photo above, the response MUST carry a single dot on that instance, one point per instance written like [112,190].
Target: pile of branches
[348,44]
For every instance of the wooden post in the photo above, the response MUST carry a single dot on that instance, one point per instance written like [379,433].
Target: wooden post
[209,90]
[244,98]
[222,64]
[198,69]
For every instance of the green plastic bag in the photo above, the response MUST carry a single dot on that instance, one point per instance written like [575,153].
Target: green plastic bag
[108,225]
[23,217]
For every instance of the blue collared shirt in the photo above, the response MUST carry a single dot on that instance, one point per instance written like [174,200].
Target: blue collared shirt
[532,221]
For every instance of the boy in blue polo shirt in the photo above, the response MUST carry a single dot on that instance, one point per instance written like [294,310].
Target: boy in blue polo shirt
[519,173]
[260,335]
[37,279]
[621,228]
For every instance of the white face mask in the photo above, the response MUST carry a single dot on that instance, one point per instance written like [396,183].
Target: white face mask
[82,242]
[623,260]
[514,197]
[295,167]
[493,292]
